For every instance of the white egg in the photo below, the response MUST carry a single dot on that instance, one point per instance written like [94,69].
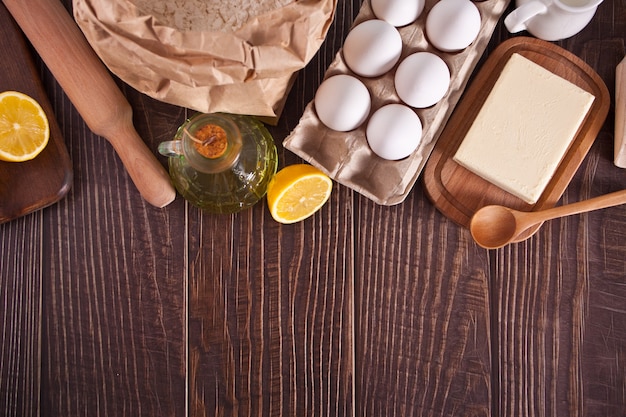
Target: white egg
[372,48]
[394,131]
[342,102]
[452,25]
[397,12]
[422,79]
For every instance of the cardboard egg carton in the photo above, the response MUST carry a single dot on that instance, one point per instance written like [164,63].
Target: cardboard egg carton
[346,156]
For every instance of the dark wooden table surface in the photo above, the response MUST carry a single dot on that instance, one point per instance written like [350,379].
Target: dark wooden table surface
[111,307]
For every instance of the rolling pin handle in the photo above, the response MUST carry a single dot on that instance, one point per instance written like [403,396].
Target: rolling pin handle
[91,88]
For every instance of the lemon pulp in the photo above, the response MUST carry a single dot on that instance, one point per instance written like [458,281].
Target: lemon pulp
[297,192]
[24,128]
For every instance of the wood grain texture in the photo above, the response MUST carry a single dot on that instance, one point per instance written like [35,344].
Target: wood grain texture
[270,315]
[271,306]
[559,298]
[20,316]
[360,310]
[560,317]
[423,314]
[114,285]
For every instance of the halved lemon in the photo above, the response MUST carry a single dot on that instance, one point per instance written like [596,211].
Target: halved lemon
[297,192]
[24,128]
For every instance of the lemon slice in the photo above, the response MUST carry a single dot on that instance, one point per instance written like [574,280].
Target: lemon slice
[296,192]
[24,129]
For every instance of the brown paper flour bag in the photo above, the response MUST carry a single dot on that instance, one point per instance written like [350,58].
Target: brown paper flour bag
[239,56]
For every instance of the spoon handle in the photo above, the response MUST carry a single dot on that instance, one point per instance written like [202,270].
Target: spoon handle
[608,200]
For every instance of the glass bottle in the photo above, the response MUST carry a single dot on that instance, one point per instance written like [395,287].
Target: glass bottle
[221,162]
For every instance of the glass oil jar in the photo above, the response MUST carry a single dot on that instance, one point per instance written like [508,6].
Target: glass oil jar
[221,163]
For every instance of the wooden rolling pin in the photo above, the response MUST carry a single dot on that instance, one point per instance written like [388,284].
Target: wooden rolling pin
[620,115]
[88,84]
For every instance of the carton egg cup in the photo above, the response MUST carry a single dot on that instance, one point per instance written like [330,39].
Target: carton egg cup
[346,156]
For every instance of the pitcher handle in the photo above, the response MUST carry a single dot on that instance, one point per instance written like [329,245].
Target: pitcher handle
[171,148]
[516,20]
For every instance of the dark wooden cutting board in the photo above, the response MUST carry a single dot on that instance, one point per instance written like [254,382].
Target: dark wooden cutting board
[29,186]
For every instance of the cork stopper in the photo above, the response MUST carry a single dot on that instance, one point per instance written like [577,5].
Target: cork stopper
[211,141]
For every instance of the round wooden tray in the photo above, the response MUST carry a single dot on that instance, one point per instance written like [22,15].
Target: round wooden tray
[457,192]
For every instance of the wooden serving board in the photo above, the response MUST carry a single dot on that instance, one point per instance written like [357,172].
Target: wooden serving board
[457,192]
[29,186]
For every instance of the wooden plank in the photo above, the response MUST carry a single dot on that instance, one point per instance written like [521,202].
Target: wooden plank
[270,319]
[434,326]
[20,316]
[422,313]
[560,340]
[114,281]
[560,337]
[271,306]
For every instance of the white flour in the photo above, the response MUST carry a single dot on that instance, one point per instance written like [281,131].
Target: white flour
[207,15]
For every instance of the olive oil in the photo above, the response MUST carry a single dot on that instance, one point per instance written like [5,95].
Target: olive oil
[225,181]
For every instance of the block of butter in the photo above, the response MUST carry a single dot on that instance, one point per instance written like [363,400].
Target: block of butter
[524,128]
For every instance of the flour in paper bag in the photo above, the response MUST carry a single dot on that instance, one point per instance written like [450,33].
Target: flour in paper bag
[207,15]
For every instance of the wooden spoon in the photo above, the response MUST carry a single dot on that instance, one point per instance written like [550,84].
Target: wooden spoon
[496,226]
[90,87]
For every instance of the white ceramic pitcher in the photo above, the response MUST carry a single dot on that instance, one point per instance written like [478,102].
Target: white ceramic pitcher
[551,20]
